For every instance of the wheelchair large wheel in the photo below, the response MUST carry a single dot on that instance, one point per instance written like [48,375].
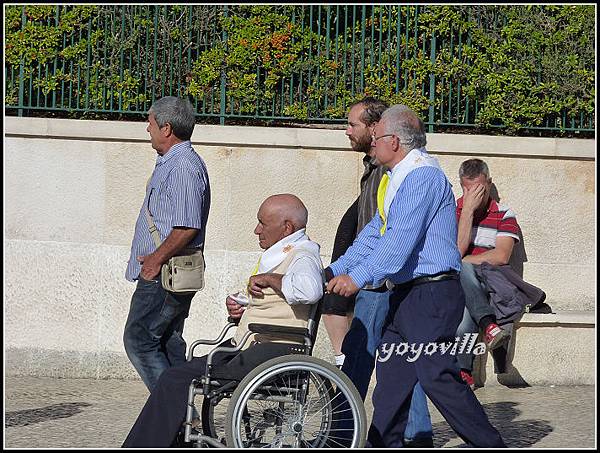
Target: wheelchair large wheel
[295,401]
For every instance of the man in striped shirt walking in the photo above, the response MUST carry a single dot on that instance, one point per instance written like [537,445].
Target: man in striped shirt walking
[412,243]
[361,338]
[178,200]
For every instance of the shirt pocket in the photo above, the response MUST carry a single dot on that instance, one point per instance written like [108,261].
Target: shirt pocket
[157,198]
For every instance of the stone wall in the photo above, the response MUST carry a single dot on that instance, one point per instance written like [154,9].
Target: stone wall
[73,190]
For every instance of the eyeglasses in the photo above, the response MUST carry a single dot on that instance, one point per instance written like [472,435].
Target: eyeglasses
[381,136]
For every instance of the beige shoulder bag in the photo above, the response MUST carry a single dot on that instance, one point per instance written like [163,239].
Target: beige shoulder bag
[183,273]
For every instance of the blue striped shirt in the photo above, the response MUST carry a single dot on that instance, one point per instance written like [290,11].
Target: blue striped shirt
[178,195]
[420,238]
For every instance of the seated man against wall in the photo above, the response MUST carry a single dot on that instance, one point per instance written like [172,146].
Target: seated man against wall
[287,280]
[487,232]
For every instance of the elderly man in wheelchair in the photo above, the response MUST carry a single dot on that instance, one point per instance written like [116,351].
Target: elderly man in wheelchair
[261,388]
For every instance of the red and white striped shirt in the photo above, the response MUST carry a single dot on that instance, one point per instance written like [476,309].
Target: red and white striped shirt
[499,221]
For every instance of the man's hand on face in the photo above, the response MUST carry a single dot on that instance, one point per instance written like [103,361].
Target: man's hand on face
[342,285]
[473,198]
[234,309]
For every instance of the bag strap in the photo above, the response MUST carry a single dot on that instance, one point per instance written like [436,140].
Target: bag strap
[151,227]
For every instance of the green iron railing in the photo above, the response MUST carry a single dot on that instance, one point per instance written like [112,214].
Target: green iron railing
[286,63]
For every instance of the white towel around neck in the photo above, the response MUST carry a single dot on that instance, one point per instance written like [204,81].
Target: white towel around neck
[417,158]
[274,255]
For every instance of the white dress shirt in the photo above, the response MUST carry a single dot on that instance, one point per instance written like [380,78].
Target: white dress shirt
[303,282]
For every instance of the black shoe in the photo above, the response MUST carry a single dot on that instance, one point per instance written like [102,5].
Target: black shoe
[419,442]
[541,307]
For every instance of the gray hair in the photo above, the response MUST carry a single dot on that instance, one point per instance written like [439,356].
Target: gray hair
[472,168]
[178,112]
[406,125]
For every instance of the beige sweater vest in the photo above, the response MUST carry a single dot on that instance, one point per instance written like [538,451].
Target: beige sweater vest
[273,309]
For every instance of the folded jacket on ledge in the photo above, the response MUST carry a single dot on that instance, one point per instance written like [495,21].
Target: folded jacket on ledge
[508,293]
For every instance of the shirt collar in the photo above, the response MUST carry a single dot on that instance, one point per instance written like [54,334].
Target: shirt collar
[173,151]
[369,162]
[288,239]
[493,206]
[407,162]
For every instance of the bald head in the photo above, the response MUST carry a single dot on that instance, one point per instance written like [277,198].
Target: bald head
[288,207]
[279,216]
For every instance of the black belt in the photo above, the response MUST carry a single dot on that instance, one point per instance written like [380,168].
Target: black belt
[381,289]
[385,287]
[449,275]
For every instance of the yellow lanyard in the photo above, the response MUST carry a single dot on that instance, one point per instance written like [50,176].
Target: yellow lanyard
[255,270]
[383,184]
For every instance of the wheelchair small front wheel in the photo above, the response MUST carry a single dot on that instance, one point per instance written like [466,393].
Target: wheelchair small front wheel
[295,401]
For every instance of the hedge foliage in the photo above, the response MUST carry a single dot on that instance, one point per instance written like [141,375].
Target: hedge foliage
[518,67]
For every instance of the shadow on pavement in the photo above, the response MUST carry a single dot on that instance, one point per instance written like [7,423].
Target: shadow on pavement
[42,414]
[516,434]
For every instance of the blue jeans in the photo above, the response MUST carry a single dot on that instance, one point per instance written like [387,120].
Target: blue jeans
[466,326]
[476,307]
[153,332]
[476,298]
[360,346]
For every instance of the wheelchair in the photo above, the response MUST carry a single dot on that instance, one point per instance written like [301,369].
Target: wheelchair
[292,400]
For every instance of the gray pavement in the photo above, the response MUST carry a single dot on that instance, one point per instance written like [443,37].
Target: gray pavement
[85,413]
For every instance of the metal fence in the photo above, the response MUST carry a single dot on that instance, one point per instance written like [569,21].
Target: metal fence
[286,63]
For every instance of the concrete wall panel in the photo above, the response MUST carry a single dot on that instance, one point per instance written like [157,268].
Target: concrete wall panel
[128,167]
[73,191]
[54,190]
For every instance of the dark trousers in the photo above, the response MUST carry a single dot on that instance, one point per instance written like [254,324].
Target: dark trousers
[164,412]
[424,314]
[153,335]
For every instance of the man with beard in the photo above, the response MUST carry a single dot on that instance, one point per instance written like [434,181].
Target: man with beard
[355,341]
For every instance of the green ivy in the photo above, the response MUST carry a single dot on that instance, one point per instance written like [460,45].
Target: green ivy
[523,63]
[520,66]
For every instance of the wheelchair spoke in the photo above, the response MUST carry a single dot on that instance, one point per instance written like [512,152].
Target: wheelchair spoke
[293,402]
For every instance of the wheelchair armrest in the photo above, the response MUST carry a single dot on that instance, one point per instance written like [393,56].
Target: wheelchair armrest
[238,347]
[271,329]
[218,340]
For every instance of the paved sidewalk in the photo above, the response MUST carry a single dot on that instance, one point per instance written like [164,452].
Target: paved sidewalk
[86,413]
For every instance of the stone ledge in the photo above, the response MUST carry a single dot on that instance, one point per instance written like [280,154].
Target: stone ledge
[559,318]
[298,138]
